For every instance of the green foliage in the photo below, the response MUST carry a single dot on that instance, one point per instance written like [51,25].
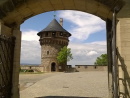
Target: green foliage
[26,70]
[29,71]
[64,55]
[102,60]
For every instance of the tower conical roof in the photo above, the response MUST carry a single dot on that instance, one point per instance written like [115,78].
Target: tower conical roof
[54,26]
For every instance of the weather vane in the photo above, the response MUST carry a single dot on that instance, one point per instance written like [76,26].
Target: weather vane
[54,14]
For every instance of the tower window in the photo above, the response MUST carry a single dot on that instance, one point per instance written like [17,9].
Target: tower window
[46,34]
[61,34]
[47,52]
[53,34]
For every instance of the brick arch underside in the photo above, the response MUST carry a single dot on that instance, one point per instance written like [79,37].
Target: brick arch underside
[19,12]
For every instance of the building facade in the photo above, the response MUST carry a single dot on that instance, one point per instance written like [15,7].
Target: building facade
[52,39]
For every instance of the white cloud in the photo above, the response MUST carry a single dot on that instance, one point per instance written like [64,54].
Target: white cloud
[30,47]
[99,42]
[91,53]
[84,24]
[30,35]
[30,52]
[86,53]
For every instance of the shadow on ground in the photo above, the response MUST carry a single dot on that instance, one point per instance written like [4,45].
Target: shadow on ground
[126,79]
[65,97]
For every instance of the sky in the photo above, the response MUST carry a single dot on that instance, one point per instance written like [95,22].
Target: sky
[88,40]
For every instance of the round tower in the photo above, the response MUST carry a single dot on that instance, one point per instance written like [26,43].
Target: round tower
[52,39]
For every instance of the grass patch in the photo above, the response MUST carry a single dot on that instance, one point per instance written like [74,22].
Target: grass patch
[29,71]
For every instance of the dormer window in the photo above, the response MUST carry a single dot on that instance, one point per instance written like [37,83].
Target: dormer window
[46,34]
[61,34]
[53,34]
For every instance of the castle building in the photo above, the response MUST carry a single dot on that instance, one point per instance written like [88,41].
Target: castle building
[52,39]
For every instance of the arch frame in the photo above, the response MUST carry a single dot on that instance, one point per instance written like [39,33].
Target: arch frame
[17,11]
[16,16]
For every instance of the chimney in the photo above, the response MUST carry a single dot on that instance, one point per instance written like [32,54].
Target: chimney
[61,21]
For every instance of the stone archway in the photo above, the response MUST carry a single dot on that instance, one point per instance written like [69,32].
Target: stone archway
[53,67]
[15,12]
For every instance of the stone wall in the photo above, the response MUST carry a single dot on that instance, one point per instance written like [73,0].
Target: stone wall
[69,68]
[80,68]
[35,68]
[123,44]
[48,56]
[42,68]
[5,30]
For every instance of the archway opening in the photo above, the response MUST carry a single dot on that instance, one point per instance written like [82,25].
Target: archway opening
[91,44]
[53,67]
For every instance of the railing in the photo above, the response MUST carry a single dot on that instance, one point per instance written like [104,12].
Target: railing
[124,79]
[6,65]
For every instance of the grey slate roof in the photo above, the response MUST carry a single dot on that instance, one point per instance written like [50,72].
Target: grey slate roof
[54,26]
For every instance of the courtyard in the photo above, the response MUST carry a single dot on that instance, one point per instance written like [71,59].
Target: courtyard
[91,84]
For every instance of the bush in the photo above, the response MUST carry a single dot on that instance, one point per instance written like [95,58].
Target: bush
[26,70]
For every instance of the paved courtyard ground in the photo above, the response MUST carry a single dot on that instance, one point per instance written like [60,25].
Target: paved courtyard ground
[64,85]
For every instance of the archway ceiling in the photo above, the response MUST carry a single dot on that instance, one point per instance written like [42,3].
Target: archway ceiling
[17,11]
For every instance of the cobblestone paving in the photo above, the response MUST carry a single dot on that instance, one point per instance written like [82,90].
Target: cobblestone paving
[55,85]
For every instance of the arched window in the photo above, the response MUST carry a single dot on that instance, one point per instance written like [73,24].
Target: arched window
[47,52]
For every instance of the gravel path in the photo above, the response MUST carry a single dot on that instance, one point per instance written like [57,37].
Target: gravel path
[79,84]
[26,80]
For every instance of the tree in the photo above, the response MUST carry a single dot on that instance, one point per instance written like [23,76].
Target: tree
[64,55]
[102,60]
